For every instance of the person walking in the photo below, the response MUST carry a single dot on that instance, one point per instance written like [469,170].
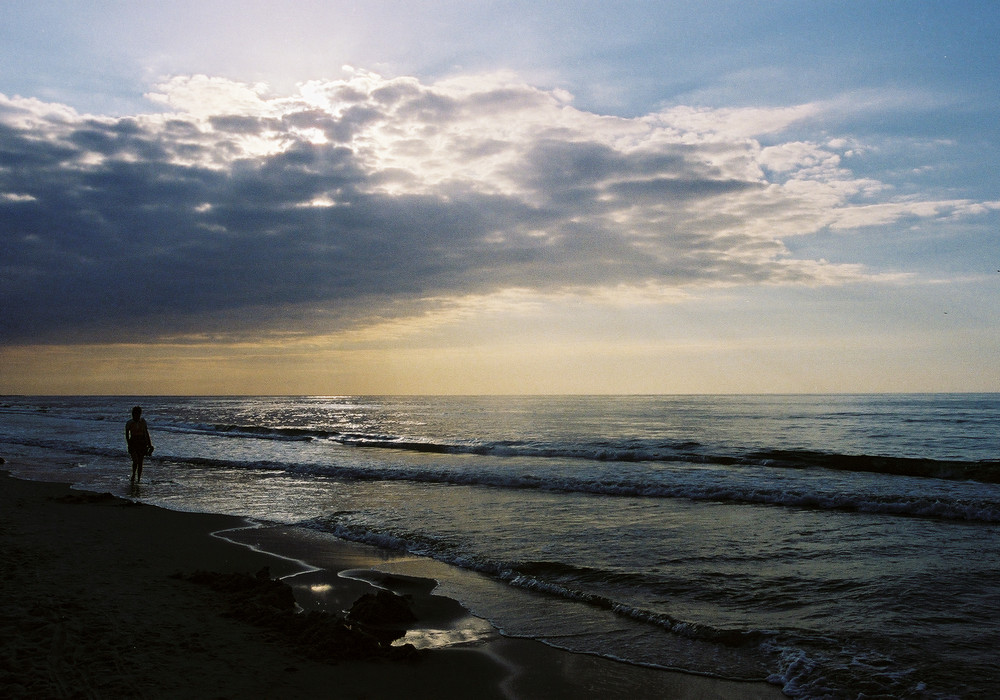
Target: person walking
[139,443]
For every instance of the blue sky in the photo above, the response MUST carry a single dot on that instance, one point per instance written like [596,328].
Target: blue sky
[514,197]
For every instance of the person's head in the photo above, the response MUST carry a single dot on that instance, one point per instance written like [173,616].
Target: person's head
[136,412]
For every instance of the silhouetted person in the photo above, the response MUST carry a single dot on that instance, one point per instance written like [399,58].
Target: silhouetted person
[138,441]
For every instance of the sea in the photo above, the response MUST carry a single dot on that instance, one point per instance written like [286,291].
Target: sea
[835,546]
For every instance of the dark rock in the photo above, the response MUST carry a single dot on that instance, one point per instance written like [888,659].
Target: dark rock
[270,605]
[382,608]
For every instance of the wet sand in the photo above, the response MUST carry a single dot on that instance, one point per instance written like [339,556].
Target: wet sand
[96,602]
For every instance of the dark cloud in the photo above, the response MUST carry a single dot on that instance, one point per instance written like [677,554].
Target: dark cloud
[662,189]
[305,214]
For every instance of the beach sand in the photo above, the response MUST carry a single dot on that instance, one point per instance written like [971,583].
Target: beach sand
[96,601]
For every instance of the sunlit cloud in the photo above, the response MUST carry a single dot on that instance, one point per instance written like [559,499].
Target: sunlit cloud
[376,206]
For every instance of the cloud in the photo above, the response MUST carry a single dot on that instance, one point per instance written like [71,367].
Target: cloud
[236,212]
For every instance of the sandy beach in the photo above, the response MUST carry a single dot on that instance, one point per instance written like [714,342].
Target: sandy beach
[98,600]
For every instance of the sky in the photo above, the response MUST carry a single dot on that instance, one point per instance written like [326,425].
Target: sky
[499,197]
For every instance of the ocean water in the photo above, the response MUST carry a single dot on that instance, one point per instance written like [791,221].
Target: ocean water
[839,546]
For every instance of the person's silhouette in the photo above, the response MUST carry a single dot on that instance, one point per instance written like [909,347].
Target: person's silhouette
[139,443]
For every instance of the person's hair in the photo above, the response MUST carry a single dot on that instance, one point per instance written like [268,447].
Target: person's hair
[136,411]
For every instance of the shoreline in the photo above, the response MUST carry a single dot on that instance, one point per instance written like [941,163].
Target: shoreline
[92,605]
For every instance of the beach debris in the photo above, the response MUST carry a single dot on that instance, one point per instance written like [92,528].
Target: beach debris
[270,604]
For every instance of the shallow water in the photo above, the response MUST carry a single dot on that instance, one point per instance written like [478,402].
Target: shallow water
[833,545]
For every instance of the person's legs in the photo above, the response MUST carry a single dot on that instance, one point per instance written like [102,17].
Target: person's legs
[136,466]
